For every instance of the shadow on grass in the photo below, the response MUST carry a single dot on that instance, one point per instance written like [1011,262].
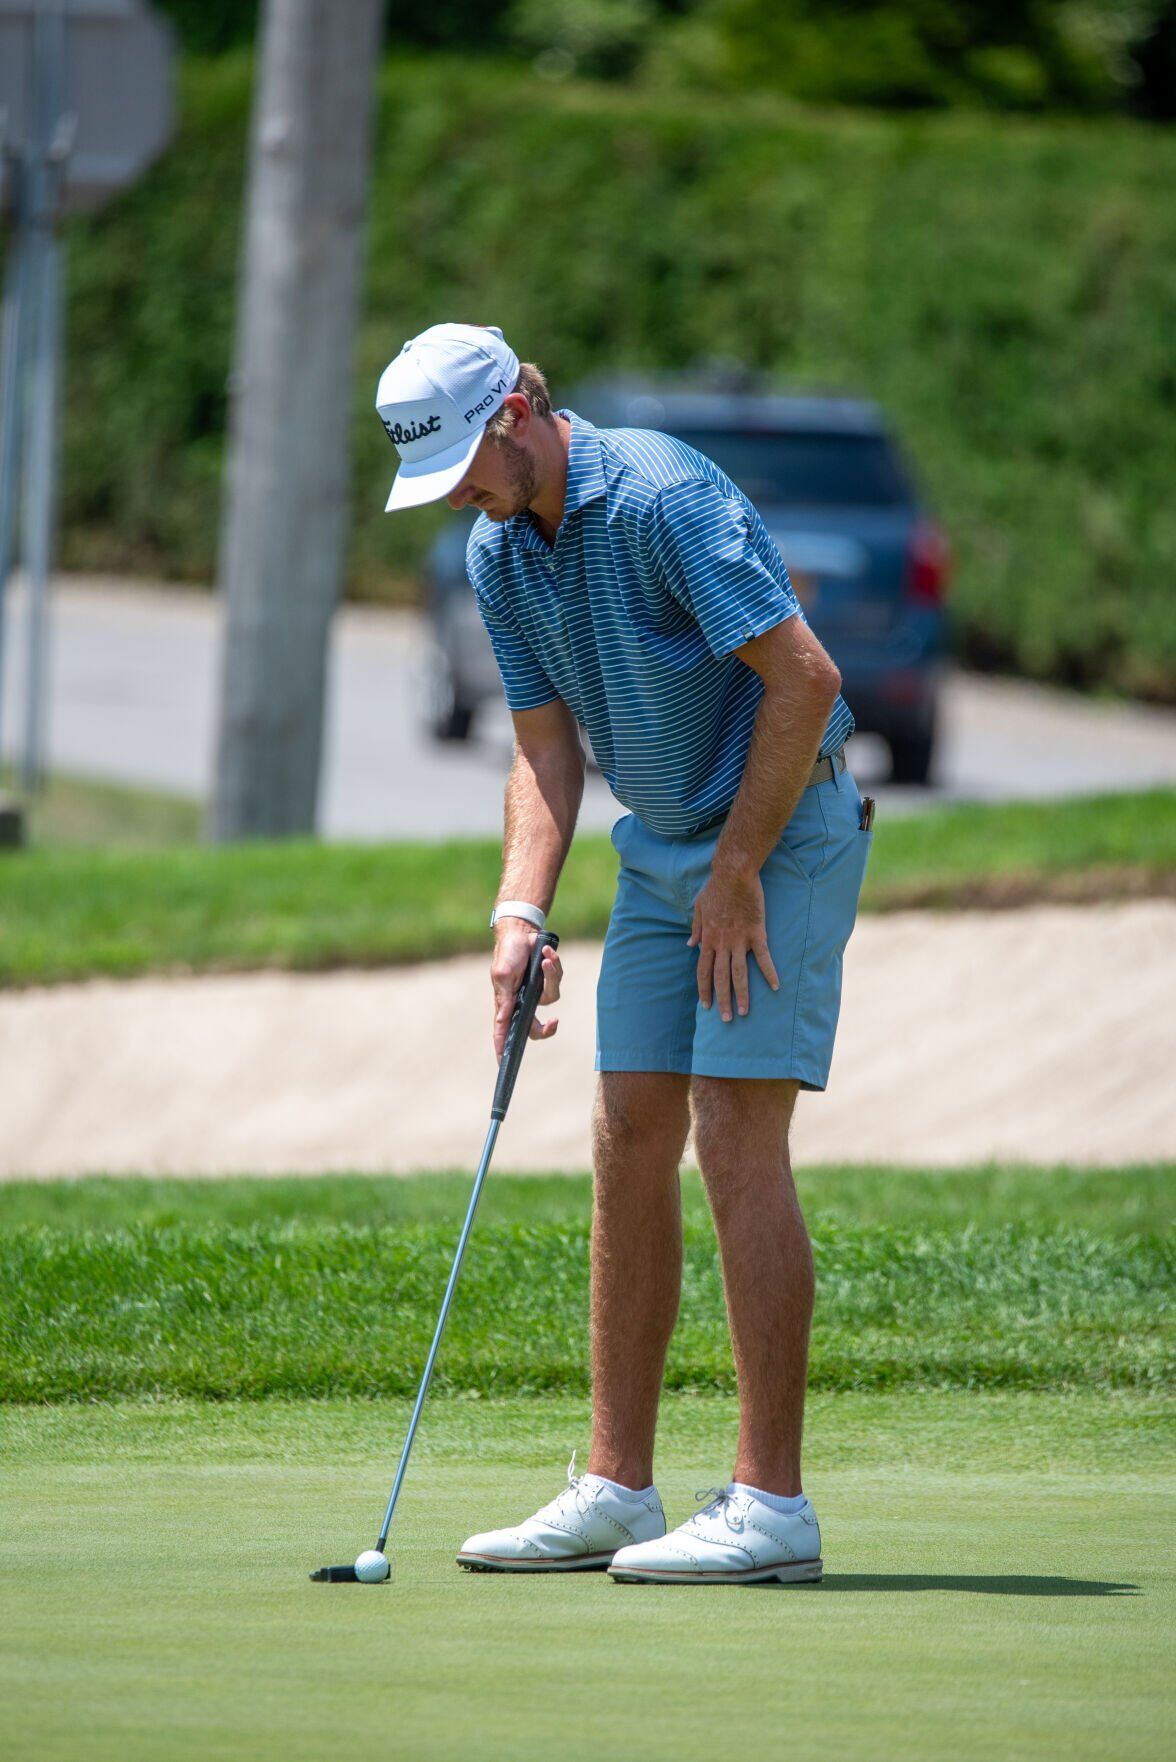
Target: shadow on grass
[1011,1586]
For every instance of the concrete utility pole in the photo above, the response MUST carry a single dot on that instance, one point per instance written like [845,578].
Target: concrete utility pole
[285,507]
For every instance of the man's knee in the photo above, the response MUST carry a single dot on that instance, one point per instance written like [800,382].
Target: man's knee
[640,1113]
[741,1127]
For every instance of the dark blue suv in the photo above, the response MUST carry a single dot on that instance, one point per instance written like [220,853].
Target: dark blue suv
[866,562]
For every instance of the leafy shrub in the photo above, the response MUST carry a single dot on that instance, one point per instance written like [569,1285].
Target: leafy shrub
[1004,291]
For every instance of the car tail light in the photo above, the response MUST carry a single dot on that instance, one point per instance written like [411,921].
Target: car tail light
[928,565]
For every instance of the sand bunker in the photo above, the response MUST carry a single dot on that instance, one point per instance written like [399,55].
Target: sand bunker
[1041,1035]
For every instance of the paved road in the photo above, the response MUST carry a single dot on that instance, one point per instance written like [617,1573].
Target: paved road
[133,682]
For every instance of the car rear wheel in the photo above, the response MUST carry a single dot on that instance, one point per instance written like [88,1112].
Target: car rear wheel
[456,724]
[447,715]
[911,756]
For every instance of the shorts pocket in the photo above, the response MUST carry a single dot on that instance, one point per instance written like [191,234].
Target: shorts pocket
[804,842]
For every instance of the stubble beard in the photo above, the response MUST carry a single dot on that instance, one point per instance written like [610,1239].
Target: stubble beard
[523,479]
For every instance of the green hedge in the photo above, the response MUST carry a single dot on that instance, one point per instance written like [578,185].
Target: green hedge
[1005,290]
[1020,55]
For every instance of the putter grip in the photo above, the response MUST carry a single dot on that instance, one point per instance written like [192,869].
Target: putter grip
[526,1003]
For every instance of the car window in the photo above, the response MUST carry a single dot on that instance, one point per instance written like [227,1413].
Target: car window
[781,469]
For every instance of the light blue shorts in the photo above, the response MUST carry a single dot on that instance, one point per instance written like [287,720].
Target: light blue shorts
[648,1017]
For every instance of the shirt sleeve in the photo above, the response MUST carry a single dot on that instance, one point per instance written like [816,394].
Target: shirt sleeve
[704,550]
[524,682]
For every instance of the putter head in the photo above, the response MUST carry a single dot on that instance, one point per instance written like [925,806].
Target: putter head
[335,1575]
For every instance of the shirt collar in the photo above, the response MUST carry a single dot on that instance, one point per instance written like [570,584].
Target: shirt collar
[585,481]
[585,466]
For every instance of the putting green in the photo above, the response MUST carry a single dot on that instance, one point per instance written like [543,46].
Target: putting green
[1000,1586]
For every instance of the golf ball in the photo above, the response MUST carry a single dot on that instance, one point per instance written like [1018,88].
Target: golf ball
[372,1568]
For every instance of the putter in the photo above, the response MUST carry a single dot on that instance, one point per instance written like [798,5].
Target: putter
[373,1567]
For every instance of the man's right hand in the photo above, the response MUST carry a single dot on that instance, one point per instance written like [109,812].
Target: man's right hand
[514,939]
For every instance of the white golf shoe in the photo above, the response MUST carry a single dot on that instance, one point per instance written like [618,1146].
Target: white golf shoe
[734,1539]
[581,1528]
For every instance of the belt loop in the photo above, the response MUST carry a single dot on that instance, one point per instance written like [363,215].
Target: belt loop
[833,757]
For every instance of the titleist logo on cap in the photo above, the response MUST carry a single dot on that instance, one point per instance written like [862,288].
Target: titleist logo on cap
[402,433]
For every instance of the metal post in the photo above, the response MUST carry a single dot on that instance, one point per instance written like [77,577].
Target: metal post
[122,137]
[13,340]
[52,137]
[40,496]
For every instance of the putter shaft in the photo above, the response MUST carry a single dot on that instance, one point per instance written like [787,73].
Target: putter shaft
[516,1039]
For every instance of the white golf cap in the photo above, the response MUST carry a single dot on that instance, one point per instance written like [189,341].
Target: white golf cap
[435,399]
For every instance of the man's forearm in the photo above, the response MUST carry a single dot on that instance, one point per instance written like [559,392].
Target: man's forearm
[785,740]
[541,807]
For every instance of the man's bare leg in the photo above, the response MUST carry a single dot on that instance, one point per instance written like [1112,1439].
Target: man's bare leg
[741,1140]
[639,1128]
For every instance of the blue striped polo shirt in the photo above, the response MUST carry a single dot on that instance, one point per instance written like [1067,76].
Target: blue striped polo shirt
[661,567]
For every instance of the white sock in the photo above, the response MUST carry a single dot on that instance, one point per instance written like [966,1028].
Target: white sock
[774,1501]
[629,1493]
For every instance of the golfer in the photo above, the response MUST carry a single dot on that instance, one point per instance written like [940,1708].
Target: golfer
[631,590]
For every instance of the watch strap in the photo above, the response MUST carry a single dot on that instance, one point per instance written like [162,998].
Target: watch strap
[518,908]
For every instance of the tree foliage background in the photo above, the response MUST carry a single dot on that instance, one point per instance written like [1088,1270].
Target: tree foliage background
[1082,56]
[960,210]
[1005,288]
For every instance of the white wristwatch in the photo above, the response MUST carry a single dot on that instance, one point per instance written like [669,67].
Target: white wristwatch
[518,908]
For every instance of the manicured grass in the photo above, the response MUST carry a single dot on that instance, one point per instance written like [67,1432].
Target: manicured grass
[316,1309]
[972,853]
[999,1585]
[253,1287]
[1109,1202]
[74,913]
[997,1556]
[82,811]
